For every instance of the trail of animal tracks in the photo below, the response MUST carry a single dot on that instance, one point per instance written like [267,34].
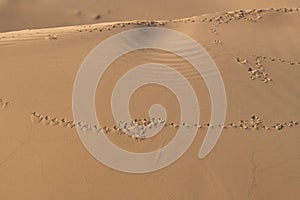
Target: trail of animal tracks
[257,52]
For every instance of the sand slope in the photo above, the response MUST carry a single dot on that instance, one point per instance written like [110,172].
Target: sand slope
[37,72]
[17,15]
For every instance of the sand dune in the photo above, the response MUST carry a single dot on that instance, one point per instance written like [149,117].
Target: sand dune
[256,51]
[17,15]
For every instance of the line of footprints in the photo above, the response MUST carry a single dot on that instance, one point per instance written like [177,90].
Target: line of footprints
[252,15]
[138,127]
[4,103]
[112,26]
[257,72]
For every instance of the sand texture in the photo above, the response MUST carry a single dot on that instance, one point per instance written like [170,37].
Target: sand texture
[257,51]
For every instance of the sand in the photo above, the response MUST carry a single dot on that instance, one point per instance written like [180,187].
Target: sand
[17,15]
[256,51]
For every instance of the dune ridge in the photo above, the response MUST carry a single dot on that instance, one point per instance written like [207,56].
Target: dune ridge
[215,19]
[17,15]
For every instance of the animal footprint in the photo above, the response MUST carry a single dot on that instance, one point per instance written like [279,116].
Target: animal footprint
[4,103]
[257,72]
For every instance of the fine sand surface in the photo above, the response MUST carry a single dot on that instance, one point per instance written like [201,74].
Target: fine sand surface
[258,55]
[27,14]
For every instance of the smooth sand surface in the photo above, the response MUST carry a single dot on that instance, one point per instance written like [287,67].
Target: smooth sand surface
[37,73]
